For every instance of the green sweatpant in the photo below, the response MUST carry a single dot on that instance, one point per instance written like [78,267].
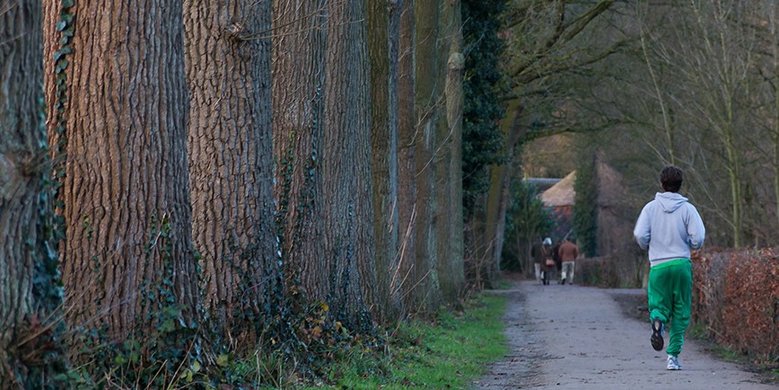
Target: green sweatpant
[670,293]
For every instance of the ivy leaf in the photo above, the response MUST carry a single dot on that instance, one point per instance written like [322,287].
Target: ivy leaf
[61,25]
[167,326]
[188,375]
[67,4]
[61,65]
[61,53]
[222,360]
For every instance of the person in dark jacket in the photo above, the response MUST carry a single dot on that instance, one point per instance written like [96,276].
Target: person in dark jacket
[540,252]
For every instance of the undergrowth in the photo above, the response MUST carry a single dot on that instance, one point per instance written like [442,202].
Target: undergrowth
[766,367]
[446,353]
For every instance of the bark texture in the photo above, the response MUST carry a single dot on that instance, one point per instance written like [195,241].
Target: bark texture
[498,198]
[404,278]
[428,100]
[128,249]
[29,279]
[51,43]
[322,137]
[450,262]
[298,124]
[383,40]
[227,47]
[347,156]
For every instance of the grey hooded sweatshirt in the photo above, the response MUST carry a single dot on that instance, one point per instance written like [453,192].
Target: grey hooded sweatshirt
[669,226]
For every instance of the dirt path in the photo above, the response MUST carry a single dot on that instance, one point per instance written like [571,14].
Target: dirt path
[572,337]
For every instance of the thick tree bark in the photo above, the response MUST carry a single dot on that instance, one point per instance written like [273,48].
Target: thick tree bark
[322,137]
[450,262]
[403,278]
[498,196]
[29,285]
[230,157]
[126,191]
[428,95]
[347,156]
[298,125]
[51,44]
[383,39]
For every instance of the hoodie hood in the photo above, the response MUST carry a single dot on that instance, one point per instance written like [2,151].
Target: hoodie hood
[670,201]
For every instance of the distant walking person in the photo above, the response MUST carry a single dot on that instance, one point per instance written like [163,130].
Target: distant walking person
[540,252]
[568,253]
[669,226]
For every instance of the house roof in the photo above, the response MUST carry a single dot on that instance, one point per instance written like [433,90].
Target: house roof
[610,188]
[541,184]
[562,193]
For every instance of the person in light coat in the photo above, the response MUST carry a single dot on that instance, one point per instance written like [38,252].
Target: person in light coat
[670,227]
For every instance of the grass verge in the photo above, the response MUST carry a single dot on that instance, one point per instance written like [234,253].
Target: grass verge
[447,353]
[766,368]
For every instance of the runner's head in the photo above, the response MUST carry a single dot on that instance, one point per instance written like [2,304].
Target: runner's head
[671,178]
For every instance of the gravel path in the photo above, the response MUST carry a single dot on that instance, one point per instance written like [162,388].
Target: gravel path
[572,337]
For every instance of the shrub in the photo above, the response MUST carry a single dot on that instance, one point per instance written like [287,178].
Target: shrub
[611,271]
[596,271]
[736,299]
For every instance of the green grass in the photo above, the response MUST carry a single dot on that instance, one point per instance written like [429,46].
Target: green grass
[502,284]
[449,353]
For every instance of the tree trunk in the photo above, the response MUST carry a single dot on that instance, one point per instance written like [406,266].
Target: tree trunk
[323,136]
[29,278]
[403,278]
[429,89]
[298,125]
[733,167]
[230,156]
[450,211]
[498,194]
[384,35]
[347,157]
[772,11]
[125,191]
[775,52]
[56,92]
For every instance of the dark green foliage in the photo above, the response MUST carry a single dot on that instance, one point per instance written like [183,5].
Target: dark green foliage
[483,86]
[585,209]
[47,288]
[40,344]
[148,356]
[526,221]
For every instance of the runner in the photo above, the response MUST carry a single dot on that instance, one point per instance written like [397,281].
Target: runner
[669,226]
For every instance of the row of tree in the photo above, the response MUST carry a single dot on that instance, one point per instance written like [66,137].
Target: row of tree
[224,164]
